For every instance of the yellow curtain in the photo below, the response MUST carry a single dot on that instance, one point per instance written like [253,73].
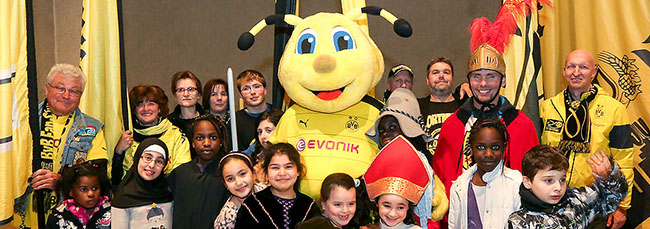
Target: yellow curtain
[524,67]
[100,61]
[15,136]
[617,33]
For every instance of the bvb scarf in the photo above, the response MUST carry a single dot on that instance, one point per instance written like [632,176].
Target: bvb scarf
[577,126]
[47,149]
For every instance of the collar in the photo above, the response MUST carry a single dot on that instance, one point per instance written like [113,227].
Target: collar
[530,202]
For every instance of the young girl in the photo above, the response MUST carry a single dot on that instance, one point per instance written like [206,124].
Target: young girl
[143,199]
[338,200]
[199,191]
[401,117]
[265,125]
[485,194]
[86,190]
[237,173]
[279,205]
[395,181]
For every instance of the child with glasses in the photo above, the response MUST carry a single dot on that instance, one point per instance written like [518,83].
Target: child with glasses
[143,199]
[252,89]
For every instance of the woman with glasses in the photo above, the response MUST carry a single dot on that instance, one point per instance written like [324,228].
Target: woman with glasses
[143,199]
[148,108]
[187,91]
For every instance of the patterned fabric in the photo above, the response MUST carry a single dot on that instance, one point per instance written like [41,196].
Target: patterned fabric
[80,212]
[227,216]
[63,217]
[287,204]
[581,206]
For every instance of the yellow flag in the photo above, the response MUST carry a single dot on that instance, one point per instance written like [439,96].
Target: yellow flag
[524,67]
[617,33]
[15,136]
[100,61]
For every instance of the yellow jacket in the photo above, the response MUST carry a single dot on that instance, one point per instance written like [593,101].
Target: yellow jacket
[610,132]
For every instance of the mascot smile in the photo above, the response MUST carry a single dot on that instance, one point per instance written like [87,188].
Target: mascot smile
[328,66]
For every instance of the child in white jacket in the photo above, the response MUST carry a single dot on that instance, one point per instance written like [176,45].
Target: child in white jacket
[486,193]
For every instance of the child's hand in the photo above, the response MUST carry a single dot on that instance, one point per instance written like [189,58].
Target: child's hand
[599,164]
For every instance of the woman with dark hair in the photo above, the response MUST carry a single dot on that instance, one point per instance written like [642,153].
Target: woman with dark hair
[148,108]
[187,91]
[143,199]
[216,101]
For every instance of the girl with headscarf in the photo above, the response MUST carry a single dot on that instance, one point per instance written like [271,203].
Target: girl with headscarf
[143,199]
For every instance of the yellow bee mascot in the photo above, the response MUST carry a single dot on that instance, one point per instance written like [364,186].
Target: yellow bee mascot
[328,66]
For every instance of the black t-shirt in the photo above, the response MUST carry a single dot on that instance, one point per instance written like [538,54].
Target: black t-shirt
[434,114]
[246,127]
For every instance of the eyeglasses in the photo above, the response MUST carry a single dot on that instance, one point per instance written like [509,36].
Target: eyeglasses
[61,90]
[248,89]
[190,90]
[147,158]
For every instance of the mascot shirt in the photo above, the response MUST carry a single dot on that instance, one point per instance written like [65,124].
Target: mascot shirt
[329,142]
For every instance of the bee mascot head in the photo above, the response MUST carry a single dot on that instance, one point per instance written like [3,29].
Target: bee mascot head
[329,63]
[328,66]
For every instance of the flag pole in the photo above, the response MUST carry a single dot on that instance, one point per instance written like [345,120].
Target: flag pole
[231,105]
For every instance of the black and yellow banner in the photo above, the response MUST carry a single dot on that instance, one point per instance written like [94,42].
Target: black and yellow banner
[100,61]
[617,33]
[15,135]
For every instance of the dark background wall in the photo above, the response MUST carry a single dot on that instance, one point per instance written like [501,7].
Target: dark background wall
[164,36]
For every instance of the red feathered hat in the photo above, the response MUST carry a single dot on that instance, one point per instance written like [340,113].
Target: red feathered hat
[397,169]
[489,40]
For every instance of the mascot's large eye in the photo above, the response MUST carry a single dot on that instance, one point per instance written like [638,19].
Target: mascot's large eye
[306,42]
[342,39]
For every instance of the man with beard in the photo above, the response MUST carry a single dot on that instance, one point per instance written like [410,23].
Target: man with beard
[441,103]
[486,76]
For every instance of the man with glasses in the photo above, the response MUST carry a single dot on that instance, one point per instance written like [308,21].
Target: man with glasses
[486,76]
[67,137]
[252,89]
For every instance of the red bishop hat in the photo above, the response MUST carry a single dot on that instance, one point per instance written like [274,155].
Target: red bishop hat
[397,169]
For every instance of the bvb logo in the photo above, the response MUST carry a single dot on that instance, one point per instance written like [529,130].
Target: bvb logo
[628,85]
[352,125]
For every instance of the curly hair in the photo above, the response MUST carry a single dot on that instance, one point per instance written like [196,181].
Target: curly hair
[496,124]
[140,93]
[70,175]
[219,126]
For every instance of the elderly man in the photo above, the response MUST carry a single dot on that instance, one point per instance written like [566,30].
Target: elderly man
[399,76]
[68,136]
[582,120]
[486,76]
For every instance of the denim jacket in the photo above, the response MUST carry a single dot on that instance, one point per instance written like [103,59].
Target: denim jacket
[84,128]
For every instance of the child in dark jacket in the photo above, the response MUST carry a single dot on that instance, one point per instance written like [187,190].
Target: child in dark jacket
[547,202]
[86,190]
[280,205]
